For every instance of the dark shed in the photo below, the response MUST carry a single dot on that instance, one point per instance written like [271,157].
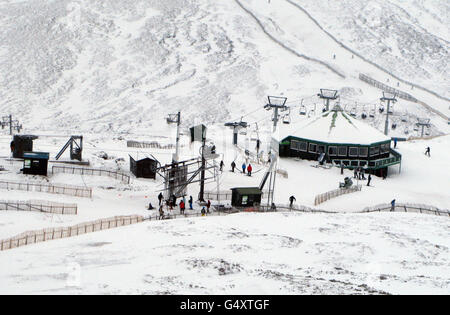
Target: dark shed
[21,144]
[145,168]
[35,163]
[245,196]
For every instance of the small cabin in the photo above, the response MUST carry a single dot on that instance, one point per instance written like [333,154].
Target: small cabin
[35,163]
[245,196]
[145,168]
[21,144]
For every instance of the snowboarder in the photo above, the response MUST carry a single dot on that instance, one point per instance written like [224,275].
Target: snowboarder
[368,180]
[182,207]
[291,201]
[208,205]
[233,165]
[203,211]
[393,205]
[221,166]
[427,152]
[191,201]
[249,169]
[243,167]
[160,198]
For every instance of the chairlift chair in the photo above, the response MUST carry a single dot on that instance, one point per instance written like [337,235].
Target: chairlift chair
[391,109]
[372,113]
[405,117]
[381,109]
[416,127]
[324,109]
[364,115]
[394,126]
[406,131]
[302,110]
[311,113]
[286,119]
[353,112]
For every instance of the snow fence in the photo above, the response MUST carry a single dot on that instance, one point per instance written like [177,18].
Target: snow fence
[37,236]
[124,178]
[335,193]
[39,206]
[61,189]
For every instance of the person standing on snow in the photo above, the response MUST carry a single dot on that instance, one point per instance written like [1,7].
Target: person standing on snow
[221,166]
[191,201]
[233,165]
[161,213]
[249,169]
[368,180]
[243,167]
[182,207]
[393,205]
[427,152]
[160,198]
[291,201]
[208,205]
[203,212]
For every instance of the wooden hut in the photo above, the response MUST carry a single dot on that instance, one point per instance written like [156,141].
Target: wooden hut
[144,168]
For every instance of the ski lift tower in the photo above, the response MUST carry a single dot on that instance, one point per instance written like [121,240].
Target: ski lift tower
[175,119]
[423,122]
[236,127]
[276,103]
[389,97]
[328,95]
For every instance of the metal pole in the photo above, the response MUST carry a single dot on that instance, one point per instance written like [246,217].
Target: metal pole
[328,104]
[202,176]
[386,125]
[177,150]
[275,119]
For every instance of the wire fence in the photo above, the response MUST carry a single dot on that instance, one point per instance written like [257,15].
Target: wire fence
[225,195]
[37,236]
[335,193]
[39,206]
[153,145]
[60,189]
[407,207]
[387,88]
[124,178]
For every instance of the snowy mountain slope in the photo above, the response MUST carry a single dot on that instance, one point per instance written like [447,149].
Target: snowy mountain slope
[242,254]
[121,65]
[409,38]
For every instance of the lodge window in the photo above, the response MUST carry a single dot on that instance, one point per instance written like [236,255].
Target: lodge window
[332,150]
[374,151]
[353,151]
[312,148]
[363,151]
[321,149]
[342,151]
[384,148]
[294,145]
[303,146]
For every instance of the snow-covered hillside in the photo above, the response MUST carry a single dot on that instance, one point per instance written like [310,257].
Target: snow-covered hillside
[124,64]
[243,254]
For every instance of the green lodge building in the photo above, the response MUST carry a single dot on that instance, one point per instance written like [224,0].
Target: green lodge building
[336,137]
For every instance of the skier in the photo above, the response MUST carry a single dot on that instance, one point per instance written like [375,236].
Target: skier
[203,212]
[291,201]
[182,207]
[208,205]
[233,165]
[191,201]
[427,152]
[393,205]
[221,166]
[249,169]
[160,198]
[368,180]
[243,167]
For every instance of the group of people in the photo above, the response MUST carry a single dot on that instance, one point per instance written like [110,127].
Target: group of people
[172,202]
[245,167]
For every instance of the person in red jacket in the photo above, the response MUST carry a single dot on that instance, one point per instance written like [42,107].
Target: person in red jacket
[182,207]
[249,170]
[208,205]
